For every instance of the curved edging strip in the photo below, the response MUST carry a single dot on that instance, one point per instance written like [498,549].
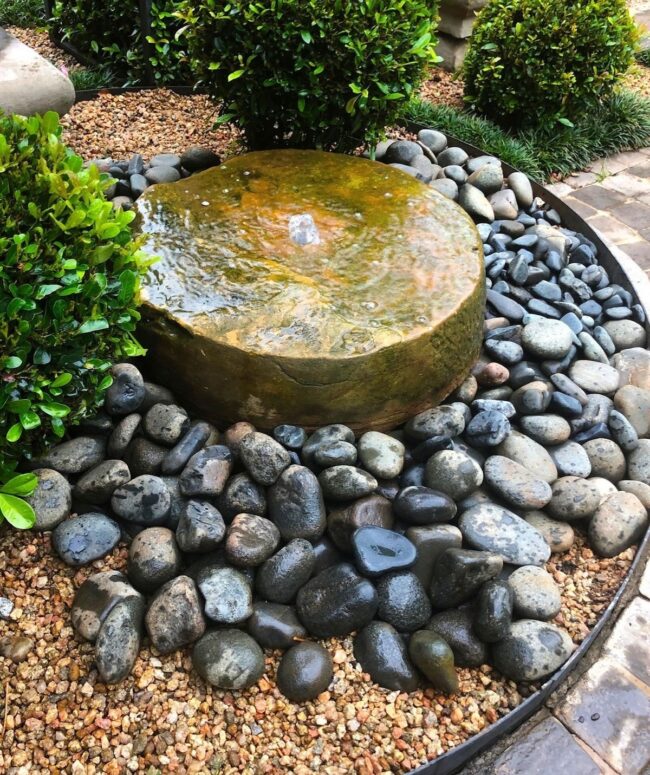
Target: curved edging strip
[624,271]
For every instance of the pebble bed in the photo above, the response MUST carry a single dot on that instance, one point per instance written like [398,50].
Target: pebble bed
[516,503]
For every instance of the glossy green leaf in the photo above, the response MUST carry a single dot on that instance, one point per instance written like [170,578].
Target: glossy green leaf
[17,512]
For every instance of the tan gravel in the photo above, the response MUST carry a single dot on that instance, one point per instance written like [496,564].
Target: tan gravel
[60,718]
[146,122]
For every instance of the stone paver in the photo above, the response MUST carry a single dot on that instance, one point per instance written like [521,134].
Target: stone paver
[609,708]
[634,214]
[626,184]
[613,229]
[599,197]
[629,643]
[537,753]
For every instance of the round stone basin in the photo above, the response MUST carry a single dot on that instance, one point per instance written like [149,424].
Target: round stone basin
[309,287]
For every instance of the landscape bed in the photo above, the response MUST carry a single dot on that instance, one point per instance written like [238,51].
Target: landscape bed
[352,725]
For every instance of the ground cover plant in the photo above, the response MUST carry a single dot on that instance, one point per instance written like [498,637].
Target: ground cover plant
[68,285]
[310,73]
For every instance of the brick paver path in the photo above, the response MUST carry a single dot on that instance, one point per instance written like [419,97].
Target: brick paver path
[613,196]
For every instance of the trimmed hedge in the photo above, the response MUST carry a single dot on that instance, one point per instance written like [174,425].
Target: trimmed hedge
[537,62]
[69,279]
[310,73]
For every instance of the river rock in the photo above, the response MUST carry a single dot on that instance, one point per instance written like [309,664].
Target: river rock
[228,659]
[606,458]
[242,495]
[290,436]
[345,483]
[633,366]
[99,484]
[547,339]
[251,540]
[51,499]
[433,656]
[516,484]
[625,333]
[381,652]
[166,423]
[634,404]
[201,527]
[144,456]
[324,435]
[275,626]
[207,472]
[488,178]
[458,573]
[430,542]
[296,504]
[619,522]
[378,551]
[381,455]
[492,528]
[189,444]
[641,490]
[419,505]
[571,459]
[403,601]
[118,642]
[547,429]
[227,593]
[475,204]
[574,498]
[558,535]
[373,510]
[126,393]
[520,185]
[196,159]
[532,650]
[280,577]
[81,540]
[305,671]
[454,473]
[144,500]
[154,558]
[443,420]
[330,362]
[263,457]
[455,627]
[638,462]
[336,601]
[622,430]
[493,612]
[335,453]
[595,377]
[95,598]
[529,454]
[174,618]
[535,594]
[74,456]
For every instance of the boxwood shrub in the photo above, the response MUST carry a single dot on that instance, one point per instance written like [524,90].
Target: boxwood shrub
[310,73]
[535,62]
[111,34]
[69,277]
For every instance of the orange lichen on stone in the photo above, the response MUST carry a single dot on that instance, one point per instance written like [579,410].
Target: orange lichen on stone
[309,287]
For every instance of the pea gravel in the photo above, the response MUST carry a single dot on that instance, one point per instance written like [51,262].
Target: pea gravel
[59,718]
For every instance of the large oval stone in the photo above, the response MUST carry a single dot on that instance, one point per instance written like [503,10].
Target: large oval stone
[309,287]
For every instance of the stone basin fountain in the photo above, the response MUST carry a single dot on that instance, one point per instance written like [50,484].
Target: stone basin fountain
[307,287]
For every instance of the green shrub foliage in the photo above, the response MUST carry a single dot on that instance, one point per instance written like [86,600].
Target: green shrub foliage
[111,33]
[535,62]
[21,13]
[69,277]
[310,73]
